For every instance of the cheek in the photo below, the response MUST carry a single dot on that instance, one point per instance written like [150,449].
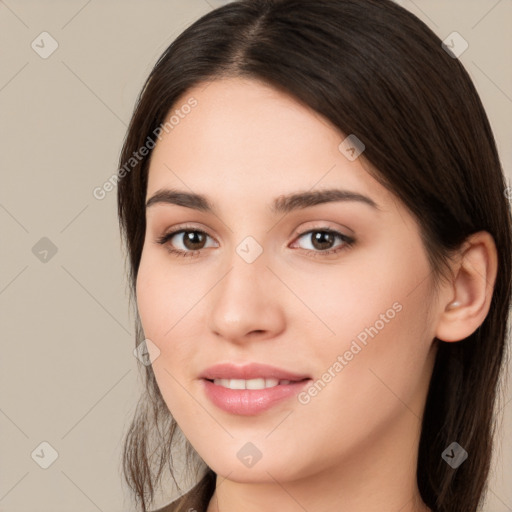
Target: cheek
[381,333]
[384,366]
[164,296]
[170,310]
[162,311]
[360,306]
[372,386]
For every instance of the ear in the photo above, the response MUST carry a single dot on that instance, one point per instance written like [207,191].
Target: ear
[466,303]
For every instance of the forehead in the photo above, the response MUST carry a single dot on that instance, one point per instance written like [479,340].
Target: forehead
[245,138]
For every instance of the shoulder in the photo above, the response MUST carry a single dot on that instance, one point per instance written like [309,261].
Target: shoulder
[195,500]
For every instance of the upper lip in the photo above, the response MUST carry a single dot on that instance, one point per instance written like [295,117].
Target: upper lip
[249,371]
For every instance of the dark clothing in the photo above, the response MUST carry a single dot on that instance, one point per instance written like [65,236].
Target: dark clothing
[195,500]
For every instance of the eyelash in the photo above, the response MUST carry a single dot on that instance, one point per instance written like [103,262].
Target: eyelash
[347,242]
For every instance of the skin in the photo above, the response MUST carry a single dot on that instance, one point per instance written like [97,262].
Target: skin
[354,446]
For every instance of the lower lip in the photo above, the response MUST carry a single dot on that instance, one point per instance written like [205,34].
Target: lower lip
[248,402]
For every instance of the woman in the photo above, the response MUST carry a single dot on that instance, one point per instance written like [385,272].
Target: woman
[319,248]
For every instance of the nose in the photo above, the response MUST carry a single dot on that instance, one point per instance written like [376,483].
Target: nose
[246,304]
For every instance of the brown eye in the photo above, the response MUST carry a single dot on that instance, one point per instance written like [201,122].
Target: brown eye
[322,240]
[184,241]
[193,240]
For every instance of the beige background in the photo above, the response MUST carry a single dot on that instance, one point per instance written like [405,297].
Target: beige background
[67,373]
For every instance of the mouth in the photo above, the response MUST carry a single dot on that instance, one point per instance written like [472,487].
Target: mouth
[250,389]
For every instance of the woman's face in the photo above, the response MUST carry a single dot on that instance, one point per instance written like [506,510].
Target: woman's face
[348,309]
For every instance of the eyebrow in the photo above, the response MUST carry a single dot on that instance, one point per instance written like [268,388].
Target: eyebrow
[282,204]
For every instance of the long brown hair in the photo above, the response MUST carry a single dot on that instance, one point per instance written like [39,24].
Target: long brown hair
[374,70]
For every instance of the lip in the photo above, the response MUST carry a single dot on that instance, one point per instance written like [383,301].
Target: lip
[249,402]
[250,371]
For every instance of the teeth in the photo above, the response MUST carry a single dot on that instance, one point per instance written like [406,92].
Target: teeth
[249,384]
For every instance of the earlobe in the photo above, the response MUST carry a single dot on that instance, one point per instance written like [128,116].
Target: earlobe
[467,302]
